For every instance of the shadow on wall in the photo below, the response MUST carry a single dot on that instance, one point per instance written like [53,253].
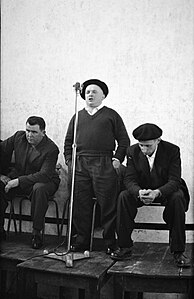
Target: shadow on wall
[62,193]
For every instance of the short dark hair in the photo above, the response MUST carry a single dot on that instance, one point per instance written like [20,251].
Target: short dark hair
[36,120]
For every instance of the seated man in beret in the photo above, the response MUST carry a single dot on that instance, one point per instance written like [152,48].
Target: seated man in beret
[33,174]
[153,175]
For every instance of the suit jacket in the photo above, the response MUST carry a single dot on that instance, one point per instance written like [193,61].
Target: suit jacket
[167,165]
[39,166]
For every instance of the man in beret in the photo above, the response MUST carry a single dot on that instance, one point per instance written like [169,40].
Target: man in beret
[99,129]
[153,175]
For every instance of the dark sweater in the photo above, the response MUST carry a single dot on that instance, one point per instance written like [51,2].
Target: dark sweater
[98,134]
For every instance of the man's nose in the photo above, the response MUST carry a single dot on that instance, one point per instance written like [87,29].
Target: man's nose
[144,150]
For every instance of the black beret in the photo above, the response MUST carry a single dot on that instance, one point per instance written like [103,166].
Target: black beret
[101,84]
[147,132]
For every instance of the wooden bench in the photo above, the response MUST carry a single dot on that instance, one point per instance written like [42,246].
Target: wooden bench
[87,276]
[16,249]
[151,269]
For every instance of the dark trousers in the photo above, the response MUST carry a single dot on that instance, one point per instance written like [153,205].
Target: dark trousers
[173,215]
[95,176]
[38,194]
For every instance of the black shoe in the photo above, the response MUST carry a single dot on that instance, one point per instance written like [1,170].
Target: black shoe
[111,249]
[78,247]
[121,254]
[37,242]
[111,246]
[181,260]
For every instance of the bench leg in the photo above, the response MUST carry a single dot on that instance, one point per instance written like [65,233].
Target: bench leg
[12,217]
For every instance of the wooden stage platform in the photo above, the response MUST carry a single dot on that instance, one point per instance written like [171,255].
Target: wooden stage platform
[151,269]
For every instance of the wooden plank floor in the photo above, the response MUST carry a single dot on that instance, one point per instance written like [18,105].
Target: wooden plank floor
[16,250]
[151,269]
[149,259]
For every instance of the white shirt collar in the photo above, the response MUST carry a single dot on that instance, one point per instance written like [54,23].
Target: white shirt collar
[152,158]
[94,110]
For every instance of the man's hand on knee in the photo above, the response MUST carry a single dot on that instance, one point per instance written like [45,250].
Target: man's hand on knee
[11,184]
[5,179]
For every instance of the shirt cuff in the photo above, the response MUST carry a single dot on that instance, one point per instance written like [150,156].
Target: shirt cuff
[115,159]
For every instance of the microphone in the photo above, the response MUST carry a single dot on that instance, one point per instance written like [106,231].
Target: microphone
[77,86]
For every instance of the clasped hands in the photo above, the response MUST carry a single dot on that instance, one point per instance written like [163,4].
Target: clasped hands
[9,183]
[147,196]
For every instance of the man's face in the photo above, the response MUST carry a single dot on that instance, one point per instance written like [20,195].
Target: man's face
[94,95]
[33,134]
[148,147]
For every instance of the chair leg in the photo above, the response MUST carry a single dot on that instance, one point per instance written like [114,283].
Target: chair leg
[14,220]
[20,213]
[20,216]
[9,221]
[57,216]
[43,231]
[66,204]
[92,226]
[12,217]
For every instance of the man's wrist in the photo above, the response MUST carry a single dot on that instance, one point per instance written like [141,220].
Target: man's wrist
[158,192]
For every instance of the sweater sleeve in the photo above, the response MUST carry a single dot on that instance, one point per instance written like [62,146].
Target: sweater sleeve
[122,139]
[69,140]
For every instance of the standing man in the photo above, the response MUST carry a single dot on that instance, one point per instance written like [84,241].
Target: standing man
[98,158]
[153,175]
[33,173]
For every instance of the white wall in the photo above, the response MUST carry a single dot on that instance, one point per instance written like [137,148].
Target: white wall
[143,50]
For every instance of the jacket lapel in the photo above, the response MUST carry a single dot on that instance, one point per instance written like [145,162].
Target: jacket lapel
[23,151]
[144,165]
[34,155]
[37,150]
[158,162]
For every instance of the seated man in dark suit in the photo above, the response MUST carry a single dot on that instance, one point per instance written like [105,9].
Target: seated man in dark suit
[33,173]
[153,174]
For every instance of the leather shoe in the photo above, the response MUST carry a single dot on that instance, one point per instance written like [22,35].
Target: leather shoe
[37,242]
[181,260]
[111,249]
[78,247]
[121,254]
[111,246]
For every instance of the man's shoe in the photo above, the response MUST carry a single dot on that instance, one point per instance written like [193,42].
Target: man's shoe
[181,260]
[111,249]
[111,246]
[121,254]
[78,247]
[37,241]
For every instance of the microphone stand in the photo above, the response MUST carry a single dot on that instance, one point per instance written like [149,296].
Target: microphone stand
[74,149]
